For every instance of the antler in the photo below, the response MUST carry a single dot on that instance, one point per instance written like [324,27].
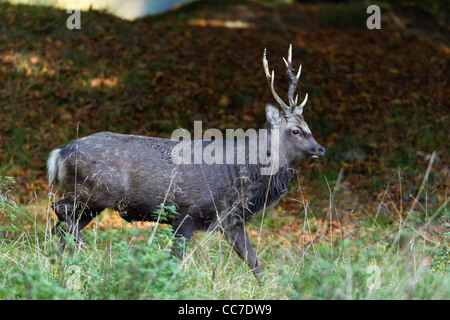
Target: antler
[293,79]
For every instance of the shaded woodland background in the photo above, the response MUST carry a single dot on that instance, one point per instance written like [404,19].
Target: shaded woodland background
[378,99]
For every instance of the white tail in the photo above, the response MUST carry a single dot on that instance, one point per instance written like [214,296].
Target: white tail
[55,166]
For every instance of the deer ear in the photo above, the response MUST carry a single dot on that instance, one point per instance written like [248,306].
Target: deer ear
[273,115]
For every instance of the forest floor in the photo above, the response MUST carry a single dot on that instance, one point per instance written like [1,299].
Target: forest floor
[378,101]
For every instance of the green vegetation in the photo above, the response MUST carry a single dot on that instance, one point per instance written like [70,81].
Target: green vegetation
[9,209]
[381,258]
[113,269]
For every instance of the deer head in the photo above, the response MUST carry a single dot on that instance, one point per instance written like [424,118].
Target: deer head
[295,136]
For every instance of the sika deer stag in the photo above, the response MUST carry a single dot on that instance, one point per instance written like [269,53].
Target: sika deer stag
[136,174]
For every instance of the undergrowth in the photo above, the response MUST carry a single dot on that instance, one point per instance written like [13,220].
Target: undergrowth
[380,260]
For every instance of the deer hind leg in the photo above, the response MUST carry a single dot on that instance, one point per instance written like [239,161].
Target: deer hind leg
[73,217]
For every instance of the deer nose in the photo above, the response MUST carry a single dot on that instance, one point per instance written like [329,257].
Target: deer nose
[317,152]
[321,151]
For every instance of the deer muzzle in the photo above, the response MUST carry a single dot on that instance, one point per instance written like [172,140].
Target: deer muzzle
[316,152]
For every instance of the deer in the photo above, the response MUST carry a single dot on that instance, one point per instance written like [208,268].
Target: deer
[135,175]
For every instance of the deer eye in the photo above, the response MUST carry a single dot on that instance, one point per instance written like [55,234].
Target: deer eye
[295,132]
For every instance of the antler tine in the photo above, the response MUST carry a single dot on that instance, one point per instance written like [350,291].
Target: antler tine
[289,61]
[300,107]
[270,79]
[293,83]
[299,72]
[292,79]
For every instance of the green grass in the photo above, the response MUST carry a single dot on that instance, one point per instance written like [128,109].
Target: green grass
[109,270]
[382,258]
